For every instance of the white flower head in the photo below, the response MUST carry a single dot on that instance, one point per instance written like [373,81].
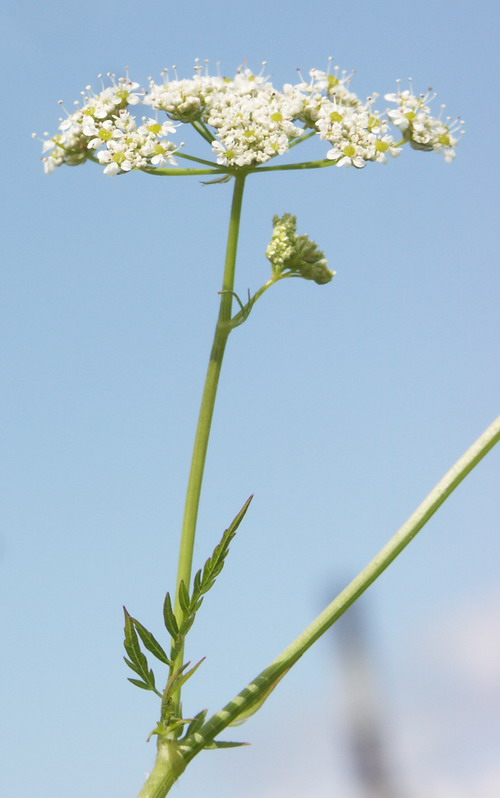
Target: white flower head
[423,131]
[245,118]
[103,129]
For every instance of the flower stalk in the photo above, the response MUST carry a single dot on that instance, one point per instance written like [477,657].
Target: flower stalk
[222,330]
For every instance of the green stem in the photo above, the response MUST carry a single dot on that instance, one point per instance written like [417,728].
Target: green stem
[252,697]
[203,131]
[242,315]
[222,331]
[286,167]
[302,138]
[179,154]
[169,765]
[177,172]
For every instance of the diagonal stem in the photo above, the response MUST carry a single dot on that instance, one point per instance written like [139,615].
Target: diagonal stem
[251,698]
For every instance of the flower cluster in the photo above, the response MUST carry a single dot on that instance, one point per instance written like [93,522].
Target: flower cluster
[104,130]
[246,120]
[424,132]
[253,121]
[296,256]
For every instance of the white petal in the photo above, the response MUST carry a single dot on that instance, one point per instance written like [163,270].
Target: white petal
[112,170]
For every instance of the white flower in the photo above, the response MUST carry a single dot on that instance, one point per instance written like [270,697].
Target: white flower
[348,155]
[385,146]
[420,128]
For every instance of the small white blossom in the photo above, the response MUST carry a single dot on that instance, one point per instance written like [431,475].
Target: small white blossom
[424,131]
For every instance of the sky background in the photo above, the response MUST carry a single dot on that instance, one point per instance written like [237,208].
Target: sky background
[340,407]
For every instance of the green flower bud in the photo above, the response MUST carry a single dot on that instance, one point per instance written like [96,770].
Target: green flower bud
[295,255]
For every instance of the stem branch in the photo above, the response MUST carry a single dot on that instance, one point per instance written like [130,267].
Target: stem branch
[258,690]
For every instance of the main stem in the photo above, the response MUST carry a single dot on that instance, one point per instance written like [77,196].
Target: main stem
[222,331]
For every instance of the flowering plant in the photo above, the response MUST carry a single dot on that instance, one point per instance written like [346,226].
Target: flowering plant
[247,123]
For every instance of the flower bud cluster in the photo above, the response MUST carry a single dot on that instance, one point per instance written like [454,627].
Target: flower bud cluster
[297,256]
[247,120]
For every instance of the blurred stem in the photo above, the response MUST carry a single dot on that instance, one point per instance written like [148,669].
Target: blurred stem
[253,696]
[222,331]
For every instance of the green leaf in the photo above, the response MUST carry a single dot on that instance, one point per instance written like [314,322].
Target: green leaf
[176,647]
[224,179]
[186,625]
[138,683]
[181,678]
[136,668]
[197,582]
[184,599]
[169,617]
[196,723]
[243,716]
[131,641]
[223,744]
[150,642]
[151,680]
[205,580]
[138,661]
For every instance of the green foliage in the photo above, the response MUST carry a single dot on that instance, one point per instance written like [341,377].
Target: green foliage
[196,723]
[137,660]
[222,744]
[194,728]
[169,617]
[176,680]
[203,581]
[177,626]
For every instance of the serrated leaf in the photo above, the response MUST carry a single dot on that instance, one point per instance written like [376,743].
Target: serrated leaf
[150,642]
[138,661]
[186,625]
[133,667]
[169,617]
[151,678]
[131,641]
[205,580]
[184,599]
[197,582]
[138,683]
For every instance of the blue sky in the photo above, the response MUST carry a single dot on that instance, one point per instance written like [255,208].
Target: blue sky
[339,408]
